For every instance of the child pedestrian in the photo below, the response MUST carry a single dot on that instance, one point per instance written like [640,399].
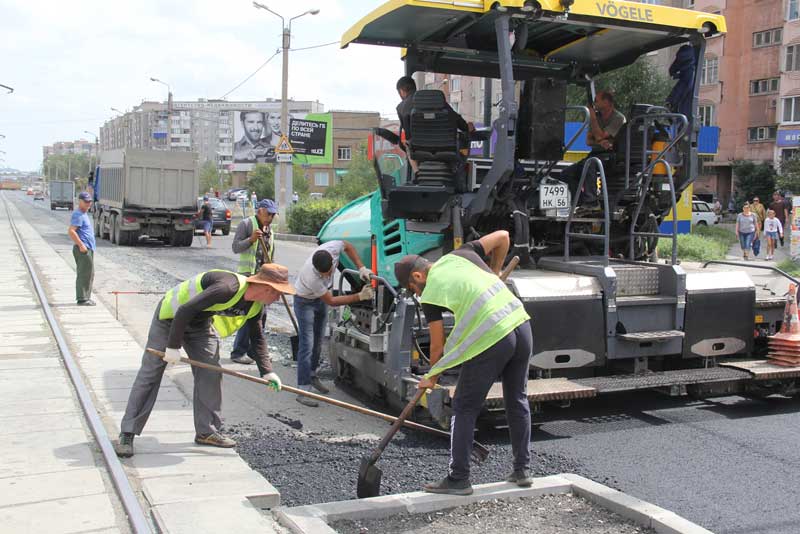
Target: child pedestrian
[774,230]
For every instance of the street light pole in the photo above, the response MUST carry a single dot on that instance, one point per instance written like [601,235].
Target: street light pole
[283,179]
[169,110]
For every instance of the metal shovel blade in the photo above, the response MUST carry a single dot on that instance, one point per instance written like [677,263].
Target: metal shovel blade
[369,479]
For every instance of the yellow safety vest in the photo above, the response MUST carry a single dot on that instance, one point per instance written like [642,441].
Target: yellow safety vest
[224,324]
[247,259]
[485,310]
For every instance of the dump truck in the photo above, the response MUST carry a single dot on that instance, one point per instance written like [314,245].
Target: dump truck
[62,195]
[145,193]
[607,314]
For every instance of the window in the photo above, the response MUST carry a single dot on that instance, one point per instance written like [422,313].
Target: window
[454,105]
[700,206]
[690,4]
[767,38]
[321,179]
[653,2]
[761,133]
[791,109]
[710,72]
[706,114]
[760,87]
[455,83]
[789,153]
[793,10]
[792,58]
[344,153]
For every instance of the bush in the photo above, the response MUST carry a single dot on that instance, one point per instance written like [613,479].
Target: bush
[306,218]
[703,244]
[790,267]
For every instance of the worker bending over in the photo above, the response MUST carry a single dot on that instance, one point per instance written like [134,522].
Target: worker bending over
[184,318]
[314,282]
[491,338]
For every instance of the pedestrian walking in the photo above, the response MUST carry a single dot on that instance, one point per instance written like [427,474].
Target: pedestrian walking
[251,257]
[759,211]
[746,229]
[183,320]
[82,234]
[295,197]
[206,215]
[313,283]
[491,338]
[253,200]
[717,207]
[781,209]
[773,229]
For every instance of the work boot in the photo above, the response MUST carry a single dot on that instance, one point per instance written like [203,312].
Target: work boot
[215,440]
[124,447]
[305,401]
[449,486]
[520,477]
[89,302]
[319,386]
[244,359]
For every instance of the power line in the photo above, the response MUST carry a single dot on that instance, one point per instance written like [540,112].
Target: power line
[315,46]
[253,74]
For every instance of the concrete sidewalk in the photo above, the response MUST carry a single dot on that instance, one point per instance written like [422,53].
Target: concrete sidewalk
[188,488]
[52,478]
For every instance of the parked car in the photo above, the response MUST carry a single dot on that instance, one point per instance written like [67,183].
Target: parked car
[703,214]
[38,194]
[232,193]
[220,213]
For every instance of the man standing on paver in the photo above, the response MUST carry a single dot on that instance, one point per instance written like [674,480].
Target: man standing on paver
[491,338]
[781,209]
[311,302]
[184,318]
[82,234]
[251,257]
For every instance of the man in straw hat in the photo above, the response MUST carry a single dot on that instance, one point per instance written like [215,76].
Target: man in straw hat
[183,318]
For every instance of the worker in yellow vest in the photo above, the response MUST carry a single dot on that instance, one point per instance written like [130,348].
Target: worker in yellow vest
[251,257]
[183,320]
[491,339]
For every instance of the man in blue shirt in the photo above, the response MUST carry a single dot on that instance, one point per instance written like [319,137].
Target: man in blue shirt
[82,234]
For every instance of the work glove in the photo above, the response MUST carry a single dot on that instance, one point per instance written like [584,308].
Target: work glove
[366,293]
[274,381]
[365,274]
[173,355]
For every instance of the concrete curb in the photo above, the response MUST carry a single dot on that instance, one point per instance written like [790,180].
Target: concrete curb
[314,519]
[297,238]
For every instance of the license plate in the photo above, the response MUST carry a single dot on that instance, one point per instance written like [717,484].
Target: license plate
[554,196]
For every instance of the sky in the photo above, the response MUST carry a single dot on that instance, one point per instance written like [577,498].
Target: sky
[70,62]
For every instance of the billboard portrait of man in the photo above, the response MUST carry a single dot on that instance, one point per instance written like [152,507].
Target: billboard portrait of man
[253,147]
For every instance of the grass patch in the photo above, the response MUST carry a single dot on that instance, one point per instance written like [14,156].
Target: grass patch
[789,267]
[705,243]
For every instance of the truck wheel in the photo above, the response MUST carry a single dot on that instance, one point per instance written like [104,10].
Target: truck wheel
[226,230]
[97,221]
[124,238]
[113,231]
[188,238]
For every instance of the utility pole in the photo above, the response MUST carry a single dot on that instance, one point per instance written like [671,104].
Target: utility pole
[283,178]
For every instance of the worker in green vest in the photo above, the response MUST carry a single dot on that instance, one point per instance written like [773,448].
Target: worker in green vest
[183,320]
[491,339]
[251,257]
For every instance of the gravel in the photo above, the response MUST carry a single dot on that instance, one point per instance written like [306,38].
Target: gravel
[310,468]
[550,514]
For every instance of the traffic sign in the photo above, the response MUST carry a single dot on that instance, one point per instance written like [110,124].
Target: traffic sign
[282,157]
[284,146]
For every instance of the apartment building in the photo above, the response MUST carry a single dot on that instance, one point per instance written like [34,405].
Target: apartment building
[59,148]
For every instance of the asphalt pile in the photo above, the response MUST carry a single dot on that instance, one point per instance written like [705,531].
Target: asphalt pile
[550,514]
[310,468]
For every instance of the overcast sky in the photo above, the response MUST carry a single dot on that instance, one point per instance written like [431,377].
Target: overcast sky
[69,62]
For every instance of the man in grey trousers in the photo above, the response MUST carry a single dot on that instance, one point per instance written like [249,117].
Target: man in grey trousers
[190,317]
[82,234]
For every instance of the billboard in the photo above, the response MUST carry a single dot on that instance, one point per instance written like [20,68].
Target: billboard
[256,134]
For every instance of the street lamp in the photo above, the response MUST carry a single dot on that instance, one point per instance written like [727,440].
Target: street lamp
[10,89]
[283,181]
[96,149]
[169,108]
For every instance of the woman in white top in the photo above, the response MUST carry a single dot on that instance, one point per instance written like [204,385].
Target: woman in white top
[773,230]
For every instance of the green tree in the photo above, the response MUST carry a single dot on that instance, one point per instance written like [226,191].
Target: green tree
[753,179]
[789,177]
[67,167]
[638,83]
[262,180]
[209,177]
[300,181]
[359,180]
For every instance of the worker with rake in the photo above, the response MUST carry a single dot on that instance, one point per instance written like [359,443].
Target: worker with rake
[183,320]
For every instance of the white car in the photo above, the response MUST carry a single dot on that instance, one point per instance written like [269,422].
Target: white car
[703,214]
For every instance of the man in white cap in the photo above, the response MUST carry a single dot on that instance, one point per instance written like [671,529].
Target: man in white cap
[184,318]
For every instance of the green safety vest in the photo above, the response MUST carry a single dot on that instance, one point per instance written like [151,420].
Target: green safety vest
[485,310]
[247,259]
[224,324]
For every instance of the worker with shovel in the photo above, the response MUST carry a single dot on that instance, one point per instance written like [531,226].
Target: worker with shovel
[184,318]
[491,339]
